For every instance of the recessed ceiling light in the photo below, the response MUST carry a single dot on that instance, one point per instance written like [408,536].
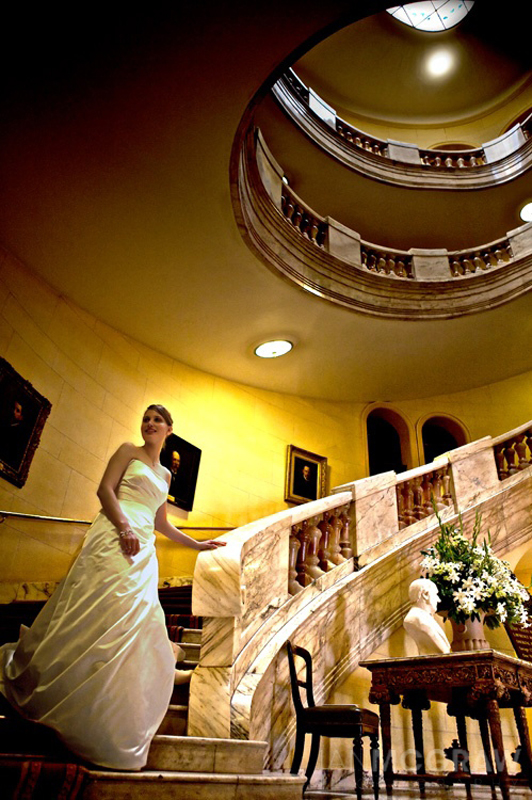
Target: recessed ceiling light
[273,349]
[526,213]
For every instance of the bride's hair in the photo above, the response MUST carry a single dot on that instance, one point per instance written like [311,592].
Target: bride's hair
[165,414]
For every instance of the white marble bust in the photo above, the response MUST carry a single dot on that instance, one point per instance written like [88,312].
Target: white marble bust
[420,624]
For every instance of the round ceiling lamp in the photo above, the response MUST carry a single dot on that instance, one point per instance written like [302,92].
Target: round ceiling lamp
[526,212]
[432,16]
[440,63]
[273,348]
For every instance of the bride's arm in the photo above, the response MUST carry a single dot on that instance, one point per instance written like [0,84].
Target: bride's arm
[107,494]
[167,529]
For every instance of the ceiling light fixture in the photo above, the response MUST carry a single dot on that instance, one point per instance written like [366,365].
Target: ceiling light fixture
[526,212]
[439,63]
[273,349]
[437,15]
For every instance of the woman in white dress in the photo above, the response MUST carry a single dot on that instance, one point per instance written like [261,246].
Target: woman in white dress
[97,664]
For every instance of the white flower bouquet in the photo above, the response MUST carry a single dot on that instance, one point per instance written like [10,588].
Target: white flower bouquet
[471,580]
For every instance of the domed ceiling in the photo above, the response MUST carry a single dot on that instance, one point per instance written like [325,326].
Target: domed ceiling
[116,185]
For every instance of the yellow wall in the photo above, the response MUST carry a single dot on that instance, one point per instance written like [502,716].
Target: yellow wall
[99,383]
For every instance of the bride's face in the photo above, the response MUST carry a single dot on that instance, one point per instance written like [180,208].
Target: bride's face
[154,428]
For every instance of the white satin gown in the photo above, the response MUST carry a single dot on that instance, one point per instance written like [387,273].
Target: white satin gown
[97,664]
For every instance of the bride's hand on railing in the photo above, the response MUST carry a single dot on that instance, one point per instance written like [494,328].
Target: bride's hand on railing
[211,544]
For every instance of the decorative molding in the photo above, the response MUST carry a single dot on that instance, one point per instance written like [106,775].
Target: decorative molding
[402,163]
[331,261]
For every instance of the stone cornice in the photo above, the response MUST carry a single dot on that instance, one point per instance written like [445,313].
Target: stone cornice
[400,163]
[330,261]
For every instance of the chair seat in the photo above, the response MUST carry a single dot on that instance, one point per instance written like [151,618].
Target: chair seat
[339,719]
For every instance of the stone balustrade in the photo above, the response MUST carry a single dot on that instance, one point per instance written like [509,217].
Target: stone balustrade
[303,218]
[337,567]
[370,277]
[241,686]
[386,262]
[419,491]
[404,163]
[468,262]
[513,452]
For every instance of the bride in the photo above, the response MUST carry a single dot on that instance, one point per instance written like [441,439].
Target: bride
[97,664]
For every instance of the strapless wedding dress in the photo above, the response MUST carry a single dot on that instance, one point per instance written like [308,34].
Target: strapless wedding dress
[97,664]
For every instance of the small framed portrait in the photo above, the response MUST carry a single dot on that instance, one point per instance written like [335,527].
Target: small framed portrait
[23,412]
[183,460]
[306,475]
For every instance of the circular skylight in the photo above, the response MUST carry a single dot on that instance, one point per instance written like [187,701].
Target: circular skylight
[526,213]
[432,15]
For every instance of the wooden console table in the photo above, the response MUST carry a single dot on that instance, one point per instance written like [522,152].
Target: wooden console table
[474,684]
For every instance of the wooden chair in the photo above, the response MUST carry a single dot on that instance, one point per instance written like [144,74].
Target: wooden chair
[349,721]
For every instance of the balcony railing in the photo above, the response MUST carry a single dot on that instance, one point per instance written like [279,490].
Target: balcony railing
[404,163]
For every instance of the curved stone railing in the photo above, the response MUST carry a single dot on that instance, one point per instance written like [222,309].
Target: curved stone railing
[241,686]
[332,261]
[401,163]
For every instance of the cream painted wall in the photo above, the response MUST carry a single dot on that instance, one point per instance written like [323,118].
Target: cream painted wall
[99,383]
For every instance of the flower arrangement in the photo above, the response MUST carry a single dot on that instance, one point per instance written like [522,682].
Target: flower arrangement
[471,580]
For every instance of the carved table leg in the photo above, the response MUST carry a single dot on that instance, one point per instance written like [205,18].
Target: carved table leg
[417,727]
[494,720]
[524,740]
[386,730]
[462,738]
[486,746]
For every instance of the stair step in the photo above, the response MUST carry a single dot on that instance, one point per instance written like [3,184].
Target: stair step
[175,721]
[186,664]
[150,785]
[198,754]
[192,652]
[192,635]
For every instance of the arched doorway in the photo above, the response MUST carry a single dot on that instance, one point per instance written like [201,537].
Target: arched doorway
[440,434]
[388,438]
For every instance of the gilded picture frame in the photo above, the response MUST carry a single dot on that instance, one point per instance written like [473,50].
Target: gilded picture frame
[306,475]
[23,412]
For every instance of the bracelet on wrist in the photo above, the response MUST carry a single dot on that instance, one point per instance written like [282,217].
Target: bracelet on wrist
[124,532]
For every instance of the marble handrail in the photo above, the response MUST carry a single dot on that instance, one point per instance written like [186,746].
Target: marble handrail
[404,163]
[330,260]
[240,687]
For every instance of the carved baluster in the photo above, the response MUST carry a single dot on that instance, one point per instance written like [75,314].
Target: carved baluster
[358,141]
[313,560]
[449,162]
[467,264]
[401,518]
[501,462]
[427,487]
[460,162]
[520,449]
[297,216]
[336,555]
[510,455]
[447,495]
[390,265]
[324,551]
[489,261]
[304,225]
[437,161]
[500,255]
[419,510]
[437,490]
[345,537]
[349,136]
[381,264]
[408,504]
[322,234]
[456,267]
[472,161]
[478,264]
[400,269]
[312,233]
[294,546]
[302,576]
[372,260]
[367,145]
[289,208]
[529,443]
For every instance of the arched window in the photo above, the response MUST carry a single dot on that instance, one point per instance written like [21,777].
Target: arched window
[439,435]
[387,441]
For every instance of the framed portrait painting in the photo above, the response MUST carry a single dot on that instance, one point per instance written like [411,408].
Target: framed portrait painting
[306,475]
[183,460]
[23,412]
